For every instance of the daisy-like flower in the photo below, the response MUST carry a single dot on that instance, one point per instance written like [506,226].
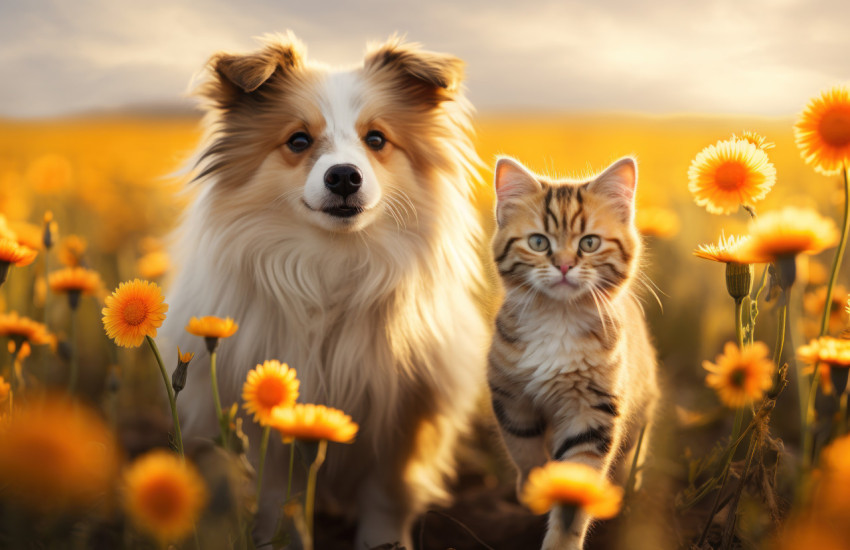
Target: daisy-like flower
[74,281]
[740,376]
[723,251]
[212,327]
[133,311]
[153,265]
[739,277]
[56,455]
[164,495]
[272,384]
[823,131]
[313,423]
[571,484]
[178,378]
[755,138]
[785,233]
[23,329]
[730,173]
[71,251]
[657,222]
[834,356]
[12,253]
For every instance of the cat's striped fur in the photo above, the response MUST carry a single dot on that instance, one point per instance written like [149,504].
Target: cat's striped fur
[572,369]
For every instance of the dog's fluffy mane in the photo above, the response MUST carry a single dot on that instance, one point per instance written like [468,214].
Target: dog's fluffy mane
[385,322]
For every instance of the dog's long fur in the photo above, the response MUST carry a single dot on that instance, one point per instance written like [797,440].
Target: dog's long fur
[379,313]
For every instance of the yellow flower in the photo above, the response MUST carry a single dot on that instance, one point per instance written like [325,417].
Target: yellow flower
[5,389]
[832,353]
[787,232]
[657,222]
[57,455]
[272,384]
[71,251]
[153,265]
[184,357]
[22,329]
[313,423]
[164,495]
[740,376]
[823,131]
[723,251]
[71,279]
[730,173]
[571,484]
[134,310]
[212,327]
[756,139]
[13,253]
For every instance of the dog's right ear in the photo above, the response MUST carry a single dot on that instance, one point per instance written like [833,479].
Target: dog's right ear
[238,74]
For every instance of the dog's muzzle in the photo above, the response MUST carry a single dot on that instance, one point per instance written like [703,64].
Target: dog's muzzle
[343,180]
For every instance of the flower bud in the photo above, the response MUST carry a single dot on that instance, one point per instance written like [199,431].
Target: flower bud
[739,279]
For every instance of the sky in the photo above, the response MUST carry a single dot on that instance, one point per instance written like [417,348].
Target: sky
[755,57]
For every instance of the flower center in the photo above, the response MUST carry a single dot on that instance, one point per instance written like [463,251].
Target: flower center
[737,377]
[270,392]
[834,127]
[162,499]
[135,312]
[730,176]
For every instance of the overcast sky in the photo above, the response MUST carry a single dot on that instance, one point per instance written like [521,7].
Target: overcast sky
[764,57]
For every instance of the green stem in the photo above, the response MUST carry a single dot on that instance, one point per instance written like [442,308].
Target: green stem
[217,400]
[630,483]
[75,354]
[739,328]
[732,516]
[291,466]
[780,327]
[171,401]
[310,503]
[715,505]
[13,372]
[264,445]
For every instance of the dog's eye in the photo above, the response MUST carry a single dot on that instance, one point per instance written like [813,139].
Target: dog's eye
[299,142]
[375,140]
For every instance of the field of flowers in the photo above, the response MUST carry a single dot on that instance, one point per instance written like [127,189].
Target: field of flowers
[745,223]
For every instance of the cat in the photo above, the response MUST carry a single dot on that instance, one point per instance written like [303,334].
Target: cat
[572,371]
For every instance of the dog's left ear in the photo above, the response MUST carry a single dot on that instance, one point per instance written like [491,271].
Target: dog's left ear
[441,72]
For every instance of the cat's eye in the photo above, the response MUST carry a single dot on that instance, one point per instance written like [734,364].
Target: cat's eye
[299,141]
[538,242]
[589,243]
[375,140]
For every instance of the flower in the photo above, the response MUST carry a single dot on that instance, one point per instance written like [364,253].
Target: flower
[71,251]
[164,495]
[657,222]
[723,251]
[212,327]
[57,455]
[730,173]
[832,353]
[313,423]
[13,253]
[178,377]
[272,384]
[823,131]
[740,376]
[813,304]
[756,139]
[23,329]
[133,311]
[571,484]
[74,279]
[785,233]
[153,265]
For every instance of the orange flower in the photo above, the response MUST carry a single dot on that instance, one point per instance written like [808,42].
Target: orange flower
[723,251]
[786,233]
[13,253]
[823,131]
[74,279]
[832,353]
[571,484]
[740,376]
[164,495]
[730,173]
[272,384]
[153,265]
[212,327]
[71,251]
[756,139]
[57,455]
[133,311]
[313,423]
[22,329]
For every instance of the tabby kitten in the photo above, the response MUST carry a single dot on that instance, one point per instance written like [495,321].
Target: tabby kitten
[572,369]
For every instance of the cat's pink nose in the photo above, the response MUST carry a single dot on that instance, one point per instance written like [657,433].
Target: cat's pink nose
[565,268]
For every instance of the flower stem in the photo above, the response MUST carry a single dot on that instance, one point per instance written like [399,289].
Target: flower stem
[264,445]
[217,400]
[291,466]
[630,482]
[310,502]
[739,328]
[75,354]
[171,401]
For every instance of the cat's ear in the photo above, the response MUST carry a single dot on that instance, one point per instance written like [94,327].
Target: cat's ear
[513,182]
[618,184]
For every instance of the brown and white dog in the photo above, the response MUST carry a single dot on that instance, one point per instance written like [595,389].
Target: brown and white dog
[335,223]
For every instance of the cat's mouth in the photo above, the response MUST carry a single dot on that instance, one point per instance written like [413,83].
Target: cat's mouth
[565,282]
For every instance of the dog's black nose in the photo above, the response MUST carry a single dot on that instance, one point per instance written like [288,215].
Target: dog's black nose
[343,179]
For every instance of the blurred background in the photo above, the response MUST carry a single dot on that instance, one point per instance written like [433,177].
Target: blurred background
[95,115]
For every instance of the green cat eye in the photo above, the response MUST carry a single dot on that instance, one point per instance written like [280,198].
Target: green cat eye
[538,242]
[589,243]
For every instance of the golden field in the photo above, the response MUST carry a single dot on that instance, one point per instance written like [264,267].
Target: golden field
[110,179]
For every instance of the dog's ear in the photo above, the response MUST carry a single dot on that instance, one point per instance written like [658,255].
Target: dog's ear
[441,72]
[235,74]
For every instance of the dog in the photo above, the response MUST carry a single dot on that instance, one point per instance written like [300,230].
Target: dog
[335,222]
